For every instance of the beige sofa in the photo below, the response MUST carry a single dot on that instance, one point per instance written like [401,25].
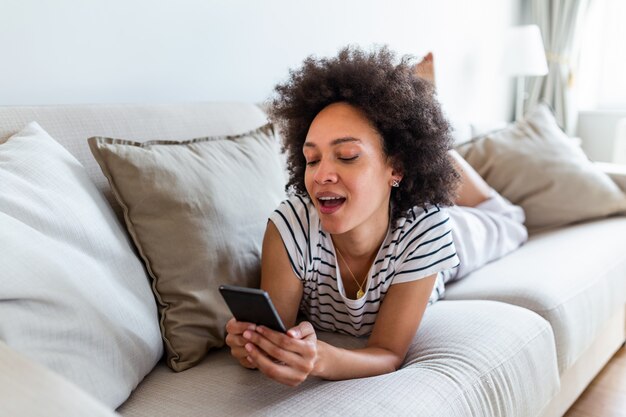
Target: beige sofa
[523,336]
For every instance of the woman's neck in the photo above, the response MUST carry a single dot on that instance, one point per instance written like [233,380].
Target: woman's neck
[364,241]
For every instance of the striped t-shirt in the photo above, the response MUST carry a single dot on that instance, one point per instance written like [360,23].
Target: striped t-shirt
[415,247]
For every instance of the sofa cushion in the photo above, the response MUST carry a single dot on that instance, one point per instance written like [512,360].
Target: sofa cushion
[574,277]
[73,295]
[29,389]
[70,125]
[197,211]
[468,358]
[536,166]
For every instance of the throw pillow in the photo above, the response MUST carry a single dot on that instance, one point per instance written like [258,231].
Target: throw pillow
[537,166]
[197,211]
[73,295]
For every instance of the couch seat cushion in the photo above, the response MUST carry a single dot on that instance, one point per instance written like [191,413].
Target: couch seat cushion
[574,277]
[468,358]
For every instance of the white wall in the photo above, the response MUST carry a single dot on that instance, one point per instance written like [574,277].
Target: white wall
[99,51]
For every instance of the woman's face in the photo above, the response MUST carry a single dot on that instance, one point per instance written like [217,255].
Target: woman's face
[347,175]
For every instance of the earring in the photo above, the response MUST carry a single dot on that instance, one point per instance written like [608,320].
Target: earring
[395,183]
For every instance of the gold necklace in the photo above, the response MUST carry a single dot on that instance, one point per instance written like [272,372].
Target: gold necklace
[360,292]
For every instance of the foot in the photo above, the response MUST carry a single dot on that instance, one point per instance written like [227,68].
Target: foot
[426,68]
[472,189]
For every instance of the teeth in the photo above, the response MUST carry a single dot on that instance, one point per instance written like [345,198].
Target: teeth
[330,198]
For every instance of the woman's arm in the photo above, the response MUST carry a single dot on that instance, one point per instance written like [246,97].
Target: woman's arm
[278,278]
[291,358]
[396,325]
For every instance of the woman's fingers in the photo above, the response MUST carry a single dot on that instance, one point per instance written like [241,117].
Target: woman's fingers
[274,347]
[279,372]
[301,343]
[287,358]
[302,330]
[298,354]
[300,339]
[238,327]
[235,340]
[246,363]
[234,332]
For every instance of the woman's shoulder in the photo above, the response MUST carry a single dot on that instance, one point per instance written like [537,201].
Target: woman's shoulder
[297,213]
[297,204]
[423,244]
[419,217]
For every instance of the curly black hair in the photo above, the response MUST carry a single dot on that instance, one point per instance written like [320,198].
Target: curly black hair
[401,106]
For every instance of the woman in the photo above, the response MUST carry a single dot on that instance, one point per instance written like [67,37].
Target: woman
[365,242]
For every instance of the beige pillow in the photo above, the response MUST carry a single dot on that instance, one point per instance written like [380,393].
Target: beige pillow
[535,165]
[197,211]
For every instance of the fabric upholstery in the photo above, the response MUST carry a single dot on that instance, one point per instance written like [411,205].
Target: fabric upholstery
[73,296]
[467,359]
[535,165]
[71,125]
[219,386]
[197,211]
[617,172]
[29,389]
[574,277]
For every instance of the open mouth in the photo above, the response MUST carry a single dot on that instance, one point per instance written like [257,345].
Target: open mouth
[330,204]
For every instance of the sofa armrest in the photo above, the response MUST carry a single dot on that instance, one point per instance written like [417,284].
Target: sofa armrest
[617,172]
[29,389]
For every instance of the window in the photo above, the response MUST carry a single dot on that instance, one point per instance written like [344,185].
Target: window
[602,80]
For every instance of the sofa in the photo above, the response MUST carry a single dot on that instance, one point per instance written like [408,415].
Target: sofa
[521,336]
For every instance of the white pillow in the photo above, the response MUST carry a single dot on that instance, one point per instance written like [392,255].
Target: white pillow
[73,295]
[29,389]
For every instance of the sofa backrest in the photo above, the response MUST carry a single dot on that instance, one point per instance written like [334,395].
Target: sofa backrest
[72,125]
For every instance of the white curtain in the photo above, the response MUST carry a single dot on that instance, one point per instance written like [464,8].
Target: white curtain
[561,22]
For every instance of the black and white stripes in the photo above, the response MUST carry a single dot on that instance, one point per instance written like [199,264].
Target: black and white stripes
[417,246]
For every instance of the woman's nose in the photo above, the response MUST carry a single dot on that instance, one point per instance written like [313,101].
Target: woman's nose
[325,172]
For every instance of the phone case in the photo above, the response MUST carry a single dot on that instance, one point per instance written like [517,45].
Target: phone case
[252,305]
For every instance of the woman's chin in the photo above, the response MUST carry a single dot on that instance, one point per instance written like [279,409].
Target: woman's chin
[333,226]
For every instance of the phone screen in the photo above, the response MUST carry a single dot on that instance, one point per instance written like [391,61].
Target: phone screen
[252,305]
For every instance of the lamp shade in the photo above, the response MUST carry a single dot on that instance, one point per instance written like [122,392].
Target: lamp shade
[524,53]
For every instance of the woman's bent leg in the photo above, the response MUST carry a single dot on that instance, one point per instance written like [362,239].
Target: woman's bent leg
[485,233]
[472,189]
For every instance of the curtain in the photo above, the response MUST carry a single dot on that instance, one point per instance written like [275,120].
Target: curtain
[560,22]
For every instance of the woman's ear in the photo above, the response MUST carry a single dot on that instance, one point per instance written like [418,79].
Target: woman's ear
[396,178]
[397,173]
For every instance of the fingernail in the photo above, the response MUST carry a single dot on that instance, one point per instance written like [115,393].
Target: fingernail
[252,327]
[248,347]
[247,334]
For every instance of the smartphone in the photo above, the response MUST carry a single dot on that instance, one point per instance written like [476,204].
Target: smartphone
[252,305]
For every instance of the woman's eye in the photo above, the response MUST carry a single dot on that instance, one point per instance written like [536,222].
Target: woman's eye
[348,158]
[311,163]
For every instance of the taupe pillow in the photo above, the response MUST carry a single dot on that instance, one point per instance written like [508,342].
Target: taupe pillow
[197,211]
[535,165]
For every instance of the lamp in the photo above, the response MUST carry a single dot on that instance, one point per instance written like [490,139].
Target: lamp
[524,55]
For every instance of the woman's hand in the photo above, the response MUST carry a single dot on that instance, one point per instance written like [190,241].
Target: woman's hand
[287,358]
[236,341]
